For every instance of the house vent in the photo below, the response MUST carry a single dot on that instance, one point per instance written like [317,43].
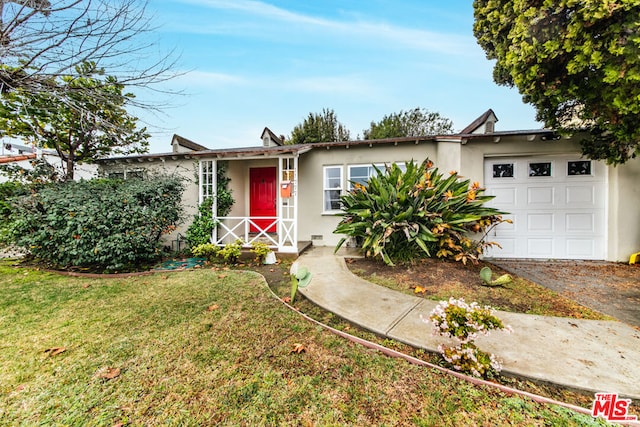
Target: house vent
[317,237]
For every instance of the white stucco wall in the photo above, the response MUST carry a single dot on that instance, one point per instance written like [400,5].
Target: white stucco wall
[624,210]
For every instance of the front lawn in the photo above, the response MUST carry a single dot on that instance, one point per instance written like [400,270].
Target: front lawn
[207,347]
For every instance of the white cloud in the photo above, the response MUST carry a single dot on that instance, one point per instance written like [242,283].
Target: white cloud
[210,79]
[398,37]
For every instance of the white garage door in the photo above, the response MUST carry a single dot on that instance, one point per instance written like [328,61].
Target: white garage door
[556,203]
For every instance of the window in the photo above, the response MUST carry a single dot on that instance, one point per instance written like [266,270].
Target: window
[116,175]
[581,167]
[135,174]
[332,187]
[207,178]
[361,173]
[503,170]
[540,169]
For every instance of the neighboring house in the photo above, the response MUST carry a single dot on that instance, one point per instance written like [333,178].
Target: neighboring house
[562,205]
[23,156]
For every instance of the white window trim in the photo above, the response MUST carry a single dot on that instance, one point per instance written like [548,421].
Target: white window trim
[325,189]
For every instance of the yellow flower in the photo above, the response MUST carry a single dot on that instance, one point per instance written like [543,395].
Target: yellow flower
[471,195]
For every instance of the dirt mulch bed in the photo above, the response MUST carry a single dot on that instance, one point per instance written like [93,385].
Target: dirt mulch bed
[440,280]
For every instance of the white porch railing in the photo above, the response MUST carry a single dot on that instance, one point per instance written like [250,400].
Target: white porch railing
[232,228]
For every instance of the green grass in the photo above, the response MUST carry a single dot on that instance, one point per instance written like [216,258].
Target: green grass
[208,347]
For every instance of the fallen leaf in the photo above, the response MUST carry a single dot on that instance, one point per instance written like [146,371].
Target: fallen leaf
[85,286]
[54,351]
[419,290]
[272,270]
[298,348]
[575,325]
[118,425]
[221,276]
[287,300]
[213,307]
[20,387]
[109,373]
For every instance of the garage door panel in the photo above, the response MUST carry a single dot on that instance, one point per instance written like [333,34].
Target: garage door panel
[538,197]
[580,223]
[540,222]
[583,195]
[508,248]
[580,248]
[503,196]
[540,247]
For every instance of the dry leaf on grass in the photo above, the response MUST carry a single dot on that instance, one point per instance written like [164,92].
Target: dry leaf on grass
[108,373]
[298,348]
[287,300]
[213,307]
[54,351]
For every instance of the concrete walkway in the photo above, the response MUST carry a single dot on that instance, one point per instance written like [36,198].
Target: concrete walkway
[597,356]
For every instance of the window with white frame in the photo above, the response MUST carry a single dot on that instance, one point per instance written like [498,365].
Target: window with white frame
[207,176]
[332,186]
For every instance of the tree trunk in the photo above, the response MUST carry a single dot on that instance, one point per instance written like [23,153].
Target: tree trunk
[70,163]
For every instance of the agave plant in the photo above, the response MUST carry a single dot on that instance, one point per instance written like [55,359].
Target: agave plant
[418,212]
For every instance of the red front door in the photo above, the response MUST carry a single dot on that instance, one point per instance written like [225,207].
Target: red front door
[262,197]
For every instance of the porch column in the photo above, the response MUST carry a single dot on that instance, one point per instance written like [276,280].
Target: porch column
[288,206]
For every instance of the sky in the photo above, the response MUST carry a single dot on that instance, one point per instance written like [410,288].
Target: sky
[253,64]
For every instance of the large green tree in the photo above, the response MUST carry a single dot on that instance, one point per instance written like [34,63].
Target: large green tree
[89,123]
[576,62]
[416,122]
[319,127]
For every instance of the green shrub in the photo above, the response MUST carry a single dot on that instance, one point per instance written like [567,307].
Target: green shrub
[231,252]
[419,212]
[8,191]
[99,224]
[261,250]
[205,250]
[201,229]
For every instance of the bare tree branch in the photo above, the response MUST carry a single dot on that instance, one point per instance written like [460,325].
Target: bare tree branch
[41,41]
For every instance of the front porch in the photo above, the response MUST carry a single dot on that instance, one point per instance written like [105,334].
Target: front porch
[264,185]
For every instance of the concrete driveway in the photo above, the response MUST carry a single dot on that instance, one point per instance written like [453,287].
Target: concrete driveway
[610,288]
